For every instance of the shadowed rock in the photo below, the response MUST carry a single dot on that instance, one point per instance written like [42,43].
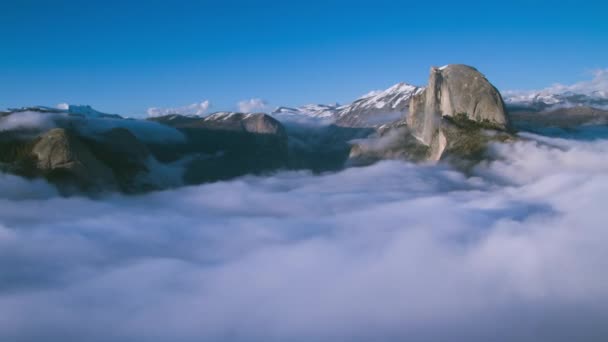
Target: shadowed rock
[124,154]
[63,157]
[225,145]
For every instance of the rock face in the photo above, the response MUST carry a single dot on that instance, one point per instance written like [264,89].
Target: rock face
[455,117]
[93,153]
[455,91]
[258,123]
[394,142]
[225,145]
[62,156]
[124,154]
[122,141]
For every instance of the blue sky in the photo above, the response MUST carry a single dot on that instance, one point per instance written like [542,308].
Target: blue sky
[124,57]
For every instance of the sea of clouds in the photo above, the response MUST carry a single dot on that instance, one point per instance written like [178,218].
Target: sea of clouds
[514,251]
[147,131]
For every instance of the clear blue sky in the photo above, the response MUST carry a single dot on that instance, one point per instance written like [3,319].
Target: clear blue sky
[126,56]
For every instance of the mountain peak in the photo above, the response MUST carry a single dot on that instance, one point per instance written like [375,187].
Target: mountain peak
[372,109]
[378,107]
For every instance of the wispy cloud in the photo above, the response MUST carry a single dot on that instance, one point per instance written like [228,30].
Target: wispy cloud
[597,85]
[144,130]
[252,105]
[29,121]
[63,106]
[394,251]
[199,108]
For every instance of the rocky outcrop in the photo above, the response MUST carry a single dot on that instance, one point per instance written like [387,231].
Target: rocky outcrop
[122,142]
[124,154]
[258,123]
[225,145]
[457,98]
[456,91]
[62,157]
[395,142]
[255,123]
[98,152]
[455,116]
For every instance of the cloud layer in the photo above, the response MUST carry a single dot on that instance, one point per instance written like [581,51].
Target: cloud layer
[252,105]
[29,121]
[393,251]
[199,108]
[147,131]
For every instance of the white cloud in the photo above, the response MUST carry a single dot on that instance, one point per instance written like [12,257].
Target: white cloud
[394,251]
[144,130]
[29,121]
[252,105]
[200,108]
[63,106]
[598,86]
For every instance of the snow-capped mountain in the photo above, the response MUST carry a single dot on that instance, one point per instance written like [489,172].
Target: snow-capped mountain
[587,93]
[378,107]
[77,110]
[546,100]
[311,112]
[372,109]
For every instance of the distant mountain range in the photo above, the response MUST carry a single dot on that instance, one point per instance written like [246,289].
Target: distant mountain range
[74,110]
[382,107]
[453,119]
[546,100]
[372,109]
[314,111]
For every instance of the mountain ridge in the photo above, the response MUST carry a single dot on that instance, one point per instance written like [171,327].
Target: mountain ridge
[374,108]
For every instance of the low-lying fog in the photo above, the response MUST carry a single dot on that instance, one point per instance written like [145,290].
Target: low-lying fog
[518,251]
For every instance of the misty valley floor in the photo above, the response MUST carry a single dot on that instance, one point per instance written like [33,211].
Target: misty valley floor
[392,251]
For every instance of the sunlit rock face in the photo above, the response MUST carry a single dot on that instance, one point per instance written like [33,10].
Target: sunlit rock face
[455,91]
[255,123]
[95,153]
[62,156]
[454,117]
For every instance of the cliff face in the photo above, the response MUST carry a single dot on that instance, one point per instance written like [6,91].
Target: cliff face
[230,144]
[457,97]
[454,117]
[96,153]
[456,91]
[63,157]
